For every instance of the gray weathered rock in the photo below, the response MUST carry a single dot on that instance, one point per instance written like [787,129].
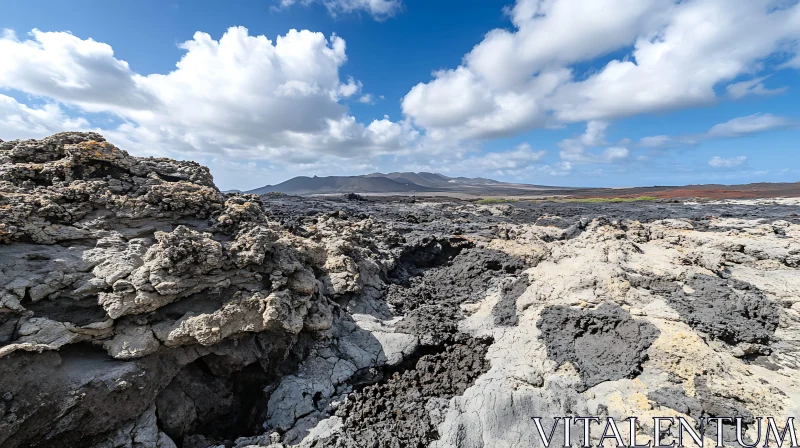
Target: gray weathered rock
[141,307]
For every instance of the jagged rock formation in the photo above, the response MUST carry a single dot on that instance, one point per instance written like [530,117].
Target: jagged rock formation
[120,273]
[141,307]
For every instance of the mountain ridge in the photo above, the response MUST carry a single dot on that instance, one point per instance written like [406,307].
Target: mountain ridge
[394,182]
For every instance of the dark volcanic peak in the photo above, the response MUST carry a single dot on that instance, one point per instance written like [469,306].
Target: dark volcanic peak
[476,181]
[425,179]
[341,184]
[396,182]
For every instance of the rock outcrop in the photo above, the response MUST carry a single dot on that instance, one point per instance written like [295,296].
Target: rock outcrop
[119,273]
[142,307]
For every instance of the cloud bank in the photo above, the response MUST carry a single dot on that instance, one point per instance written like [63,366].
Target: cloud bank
[525,78]
[249,102]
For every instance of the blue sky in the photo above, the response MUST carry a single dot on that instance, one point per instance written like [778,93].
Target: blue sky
[558,92]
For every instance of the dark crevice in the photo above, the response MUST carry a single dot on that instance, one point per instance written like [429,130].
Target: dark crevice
[168,178]
[63,309]
[394,411]
[215,400]
[429,253]
[8,328]
[99,169]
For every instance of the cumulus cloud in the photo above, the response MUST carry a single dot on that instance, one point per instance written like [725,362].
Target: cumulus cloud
[595,133]
[460,104]
[750,124]
[524,78]
[577,150]
[242,96]
[66,68]
[703,43]
[523,156]
[654,141]
[379,9]
[719,162]
[22,121]
[283,101]
[614,153]
[351,88]
[752,87]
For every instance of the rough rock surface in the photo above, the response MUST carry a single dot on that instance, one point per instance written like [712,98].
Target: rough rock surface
[141,307]
[404,410]
[604,344]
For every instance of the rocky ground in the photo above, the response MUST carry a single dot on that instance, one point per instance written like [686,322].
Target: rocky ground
[141,307]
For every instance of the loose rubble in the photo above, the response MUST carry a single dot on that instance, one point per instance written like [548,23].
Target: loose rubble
[142,307]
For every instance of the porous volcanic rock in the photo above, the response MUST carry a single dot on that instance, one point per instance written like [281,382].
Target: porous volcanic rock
[142,307]
[119,273]
[604,344]
[404,410]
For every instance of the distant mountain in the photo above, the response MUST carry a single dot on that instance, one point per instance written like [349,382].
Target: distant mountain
[430,181]
[342,184]
[397,182]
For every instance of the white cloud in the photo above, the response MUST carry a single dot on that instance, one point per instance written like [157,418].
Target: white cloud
[575,150]
[703,43]
[523,156]
[460,104]
[578,154]
[561,168]
[595,133]
[556,33]
[19,121]
[737,127]
[379,9]
[242,96]
[457,95]
[614,153]
[351,88]
[752,87]
[654,141]
[719,162]
[750,124]
[523,78]
[64,67]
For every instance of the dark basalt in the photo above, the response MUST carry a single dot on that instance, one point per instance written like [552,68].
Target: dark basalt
[705,404]
[604,344]
[430,302]
[726,309]
[505,310]
[405,410]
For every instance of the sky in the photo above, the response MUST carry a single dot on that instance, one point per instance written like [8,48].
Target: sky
[553,92]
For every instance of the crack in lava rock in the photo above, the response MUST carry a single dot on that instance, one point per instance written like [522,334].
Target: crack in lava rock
[405,410]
